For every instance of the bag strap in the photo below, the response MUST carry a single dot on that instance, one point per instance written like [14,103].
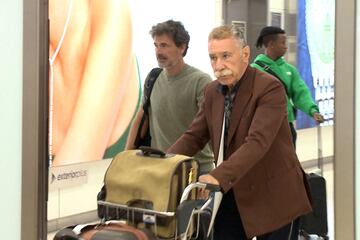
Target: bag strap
[218,195]
[268,70]
[148,86]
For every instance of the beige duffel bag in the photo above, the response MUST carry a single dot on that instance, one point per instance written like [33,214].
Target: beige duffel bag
[150,179]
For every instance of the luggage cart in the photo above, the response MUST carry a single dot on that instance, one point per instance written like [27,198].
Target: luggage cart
[187,215]
[189,218]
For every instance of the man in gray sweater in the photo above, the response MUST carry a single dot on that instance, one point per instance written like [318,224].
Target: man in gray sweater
[177,93]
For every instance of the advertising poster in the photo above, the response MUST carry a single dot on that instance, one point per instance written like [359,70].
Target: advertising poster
[315,52]
[100,53]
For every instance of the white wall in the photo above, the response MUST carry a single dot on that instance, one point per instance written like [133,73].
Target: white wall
[277,6]
[197,21]
[11,22]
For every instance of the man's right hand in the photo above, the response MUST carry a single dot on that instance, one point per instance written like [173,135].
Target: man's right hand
[207,178]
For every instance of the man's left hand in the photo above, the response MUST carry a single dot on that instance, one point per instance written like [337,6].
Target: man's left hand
[318,117]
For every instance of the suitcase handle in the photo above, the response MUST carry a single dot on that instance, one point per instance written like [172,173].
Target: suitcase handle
[148,151]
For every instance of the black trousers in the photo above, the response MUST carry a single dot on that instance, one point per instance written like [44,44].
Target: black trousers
[228,224]
[293,133]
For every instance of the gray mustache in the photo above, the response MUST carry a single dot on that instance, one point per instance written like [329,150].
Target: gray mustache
[222,73]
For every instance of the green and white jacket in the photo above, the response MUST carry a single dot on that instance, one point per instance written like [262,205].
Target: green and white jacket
[299,95]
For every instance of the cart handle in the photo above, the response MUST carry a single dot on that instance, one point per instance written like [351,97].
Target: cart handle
[208,186]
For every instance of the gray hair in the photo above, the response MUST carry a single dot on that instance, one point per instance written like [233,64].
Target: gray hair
[226,31]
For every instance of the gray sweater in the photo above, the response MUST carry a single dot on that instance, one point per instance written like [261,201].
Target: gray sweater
[174,103]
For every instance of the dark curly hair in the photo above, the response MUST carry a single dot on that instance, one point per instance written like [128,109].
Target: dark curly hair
[175,29]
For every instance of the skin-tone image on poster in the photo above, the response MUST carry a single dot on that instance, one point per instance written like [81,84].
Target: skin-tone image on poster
[94,86]
[100,54]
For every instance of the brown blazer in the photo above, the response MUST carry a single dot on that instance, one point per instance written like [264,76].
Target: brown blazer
[260,162]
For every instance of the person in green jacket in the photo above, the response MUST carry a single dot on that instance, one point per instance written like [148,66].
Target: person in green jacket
[298,94]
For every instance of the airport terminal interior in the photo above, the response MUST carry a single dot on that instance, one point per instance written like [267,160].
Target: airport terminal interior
[320,35]
[66,202]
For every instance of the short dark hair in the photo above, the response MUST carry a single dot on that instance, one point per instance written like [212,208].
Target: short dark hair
[175,29]
[268,34]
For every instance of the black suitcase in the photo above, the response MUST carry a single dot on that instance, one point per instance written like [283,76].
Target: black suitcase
[315,223]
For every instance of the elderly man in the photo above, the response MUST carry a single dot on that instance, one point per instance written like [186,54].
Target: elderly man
[262,180]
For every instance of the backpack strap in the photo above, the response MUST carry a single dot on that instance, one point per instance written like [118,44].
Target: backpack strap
[148,86]
[268,70]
